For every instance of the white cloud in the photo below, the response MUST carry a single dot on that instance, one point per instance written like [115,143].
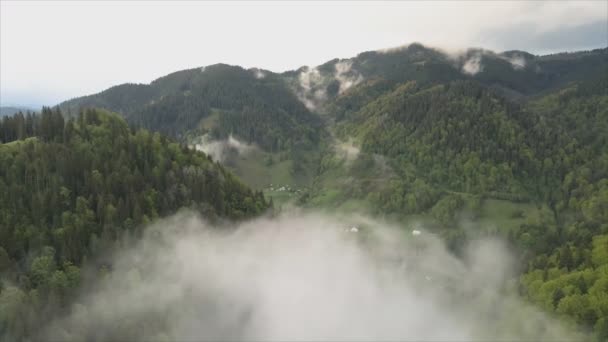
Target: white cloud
[346,75]
[473,64]
[220,149]
[302,277]
[310,90]
[517,62]
[311,84]
[257,73]
[309,77]
[347,150]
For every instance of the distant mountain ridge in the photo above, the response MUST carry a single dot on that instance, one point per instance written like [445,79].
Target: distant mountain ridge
[232,89]
[226,95]
[10,110]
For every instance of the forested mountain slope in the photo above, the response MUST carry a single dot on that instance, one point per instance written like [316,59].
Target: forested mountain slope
[254,105]
[272,110]
[508,143]
[516,75]
[453,147]
[73,191]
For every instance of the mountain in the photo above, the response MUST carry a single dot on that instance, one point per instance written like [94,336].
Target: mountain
[221,99]
[73,191]
[515,74]
[225,97]
[463,155]
[10,110]
[470,143]
[289,115]
[437,115]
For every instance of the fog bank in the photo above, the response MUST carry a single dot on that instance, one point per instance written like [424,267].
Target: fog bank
[220,149]
[302,277]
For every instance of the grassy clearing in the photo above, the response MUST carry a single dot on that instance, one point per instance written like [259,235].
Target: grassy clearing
[276,179]
[253,169]
[210,121]
[505,216]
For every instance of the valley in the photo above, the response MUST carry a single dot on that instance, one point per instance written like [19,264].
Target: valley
[461,147]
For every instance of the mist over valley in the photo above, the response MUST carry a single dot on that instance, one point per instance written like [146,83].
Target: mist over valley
[394,190]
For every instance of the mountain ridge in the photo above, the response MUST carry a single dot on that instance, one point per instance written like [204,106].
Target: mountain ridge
[393,51]
[470,144]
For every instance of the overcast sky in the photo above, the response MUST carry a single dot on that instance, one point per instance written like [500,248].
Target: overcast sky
[53,51]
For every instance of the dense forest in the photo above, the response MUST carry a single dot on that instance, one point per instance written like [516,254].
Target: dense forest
[273,110]
[409,131]
[72,191]
[462,138]
[220,100]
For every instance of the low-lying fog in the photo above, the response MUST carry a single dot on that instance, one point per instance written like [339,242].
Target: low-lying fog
[219,150]
[302,277]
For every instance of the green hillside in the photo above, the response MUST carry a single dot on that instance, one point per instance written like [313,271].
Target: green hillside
[255,109]
[73,191]
[470,143]
[460,155]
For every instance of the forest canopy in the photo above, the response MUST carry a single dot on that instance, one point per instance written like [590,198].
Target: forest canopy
[74,190]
